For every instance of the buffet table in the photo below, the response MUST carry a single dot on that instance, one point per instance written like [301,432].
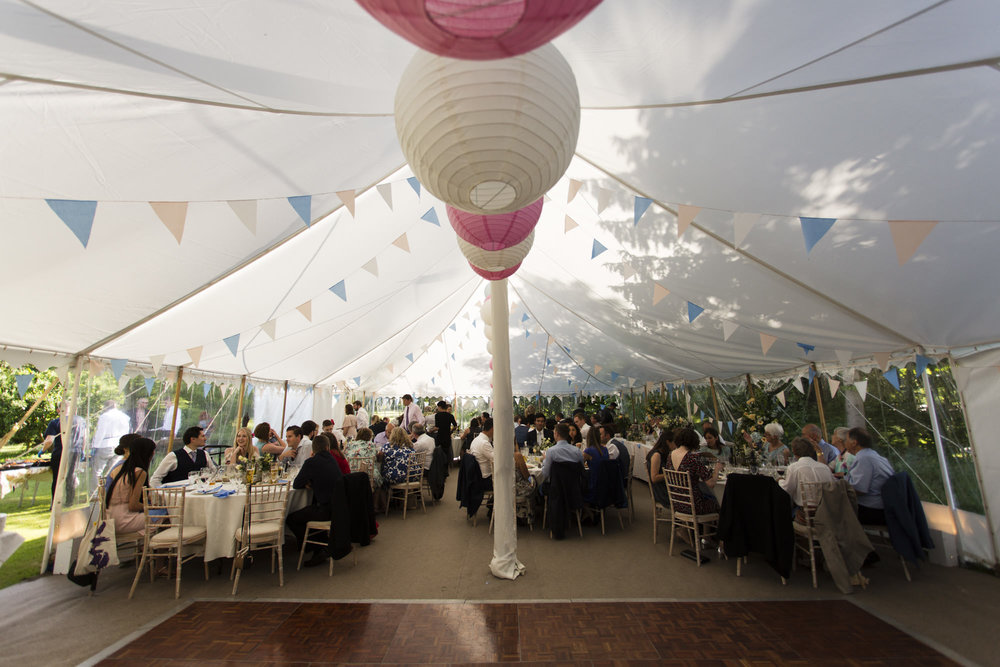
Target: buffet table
[12,477]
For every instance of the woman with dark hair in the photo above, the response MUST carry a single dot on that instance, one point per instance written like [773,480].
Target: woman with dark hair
[350,425]
[444,424]
[594,450]
[469,434]
[124,497]
[656,460]
[574,435]
[268,441]
[121,453]
[714,445]
[334,447]
[685,459]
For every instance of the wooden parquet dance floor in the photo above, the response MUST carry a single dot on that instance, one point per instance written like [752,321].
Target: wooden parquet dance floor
[588,633]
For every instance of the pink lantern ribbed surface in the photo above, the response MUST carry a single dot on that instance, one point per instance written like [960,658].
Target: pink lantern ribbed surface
[479,29]
[497,231]
[495,275]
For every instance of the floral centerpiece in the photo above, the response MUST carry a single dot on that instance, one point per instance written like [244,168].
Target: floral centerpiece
[759,411]
[545,444]
[251,470]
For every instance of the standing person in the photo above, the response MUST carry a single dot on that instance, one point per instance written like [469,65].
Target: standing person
[445,424]
[140,416]
[361,414]
[53,441]
[520,431]
[176,465]
[580,419]
[377,425]
[411,414]
[350,425]
[124,495]
[112,424]
[482,449]
[320,473]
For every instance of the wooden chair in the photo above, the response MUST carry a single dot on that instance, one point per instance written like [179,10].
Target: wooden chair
[365,464]
[166,535]
[661,513]
[411,487]
[681,494]
[320,527]
[879,536]
[806,541]
[628,495]
[263,528]
[523,501]
[579,517]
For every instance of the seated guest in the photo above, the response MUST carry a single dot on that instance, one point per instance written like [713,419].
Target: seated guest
[805,469]
[656,460]
[595,448]
[382,439]
[775,451]
[825,452]
[842,463]
[524,489]
[177,464]
[423,445]
[540,432]
[611,443]
[377,425]
[320,473]
[575,437]
[268,441]
[715,446]
[867,475]
[520,431]
[243,447]
[329,427]
[299,447]
[580,419]
[121,453]
[124,497]
[482,449]
[363,447]
[337,454]
[685,459]
[396,464]
[469,434]
[561,452]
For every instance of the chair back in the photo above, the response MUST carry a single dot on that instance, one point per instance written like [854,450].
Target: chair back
[812,494]
[265,503]
[680,491]
[164,508]
[415,468]
[365,464]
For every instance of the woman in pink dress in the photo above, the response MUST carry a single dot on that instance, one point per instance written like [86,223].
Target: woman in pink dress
[124,497]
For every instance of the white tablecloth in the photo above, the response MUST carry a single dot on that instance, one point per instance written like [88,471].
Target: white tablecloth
[638,451]
[9,479]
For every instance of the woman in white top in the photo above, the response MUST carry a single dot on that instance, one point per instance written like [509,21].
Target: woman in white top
[350,425]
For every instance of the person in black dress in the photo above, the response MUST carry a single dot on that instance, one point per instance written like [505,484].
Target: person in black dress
[445,423]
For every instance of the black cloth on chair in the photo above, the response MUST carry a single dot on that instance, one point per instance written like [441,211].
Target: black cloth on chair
[756,515]
[471,486]
[904,517]
[339,544]
[605,487]
[624,458]
[438,472]
[358,488]
[565,495]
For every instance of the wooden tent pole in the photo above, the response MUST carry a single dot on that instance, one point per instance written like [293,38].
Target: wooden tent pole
[173,419]
[819,402]
[715,402]
[239,409]
[284,406]
[20,422]
[66,436]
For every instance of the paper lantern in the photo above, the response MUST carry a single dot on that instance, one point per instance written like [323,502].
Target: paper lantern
[497,260]
[488,137]
[495,232]
[495,275]
[478,29]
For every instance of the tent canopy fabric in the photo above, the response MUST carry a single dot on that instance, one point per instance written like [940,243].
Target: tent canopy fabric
[192,124]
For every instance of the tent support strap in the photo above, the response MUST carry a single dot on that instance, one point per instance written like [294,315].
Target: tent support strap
[34,406]
[66,435]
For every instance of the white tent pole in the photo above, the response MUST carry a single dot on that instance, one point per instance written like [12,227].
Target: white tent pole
[943,462]
[504,564]
[66,435]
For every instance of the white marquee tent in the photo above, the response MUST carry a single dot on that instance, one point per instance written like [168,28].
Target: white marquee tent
[218,184]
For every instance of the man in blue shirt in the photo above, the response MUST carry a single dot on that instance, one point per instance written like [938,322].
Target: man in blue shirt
[520,431]
[867,475]
[812,433]
[562,451]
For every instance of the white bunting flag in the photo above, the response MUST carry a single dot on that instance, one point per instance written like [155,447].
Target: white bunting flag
[781,397]
[270,328]
[347,196]
[122,381]
[628,270]
[685,216]
[569,225]
[172,214]
[306,309]
[728,329]
[385,189]
[742,224]
[766,341]
[659,293]
[157,361]
[834,386]
[246,211]
[574,187]
[96,367]
[371,266]
[862,387]
[882,360]
[604,196]
[402,243]
[907,235]
[195,354]
[597,369]
[843,356]
[798,385]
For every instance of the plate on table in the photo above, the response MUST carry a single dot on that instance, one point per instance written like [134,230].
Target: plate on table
[175,485]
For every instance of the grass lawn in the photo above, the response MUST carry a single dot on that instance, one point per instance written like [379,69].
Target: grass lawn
[33,524]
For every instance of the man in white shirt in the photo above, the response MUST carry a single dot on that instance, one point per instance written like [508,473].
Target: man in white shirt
[176,465]
[580,419]
[423,445]
[328,428]
[805,469]
[168,417]
[111,426]
[411,413]
[482,449]
[361,414]
[297,448]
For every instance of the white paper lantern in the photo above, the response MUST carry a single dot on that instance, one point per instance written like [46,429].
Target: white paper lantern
[488,136]
[496,260]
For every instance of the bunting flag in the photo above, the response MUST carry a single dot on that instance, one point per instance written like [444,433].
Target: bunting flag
[357,378]
[670,387]
[922,364]
[614,376]
[659,293]
[431,216]
[118,367]
[742,224]
[371,266]
[233,343]
[569,382]
[604,196]
[402,243]
[862,387]
[525,318]
[453,326]
[892,375]
[439,338]
[173,215]
[729,424]
[453,356]
[569,224]
[728,329]
[685,216]
[641,204]
[385,190]
[812,375]
[798,385]
[195,354]
[149,385]
[551,339]
[694,311]
[303,206]
[122,382]
[806,348]
[340,289]
[347,196]
[270,328]
[205,388]
[156,360]
[781,397]
[548,362]
[526,333]
[597,368]
[76,214]
[907,235]
[843,356]
[813,229]
[882,360]
[627,270]
[834,385]
[766,341]
[306,309]
[96,366]
[574,187]
[597,249]
[409,357]
[23,382]
[246,211]
[631,382]
[415,184]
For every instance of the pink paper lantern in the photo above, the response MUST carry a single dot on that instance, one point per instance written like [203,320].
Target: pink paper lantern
[495,275]
[497,231]
[479,29]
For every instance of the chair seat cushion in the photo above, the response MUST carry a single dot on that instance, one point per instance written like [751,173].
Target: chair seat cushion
[262,530]
[318,525]
[170,535]
[700,518]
